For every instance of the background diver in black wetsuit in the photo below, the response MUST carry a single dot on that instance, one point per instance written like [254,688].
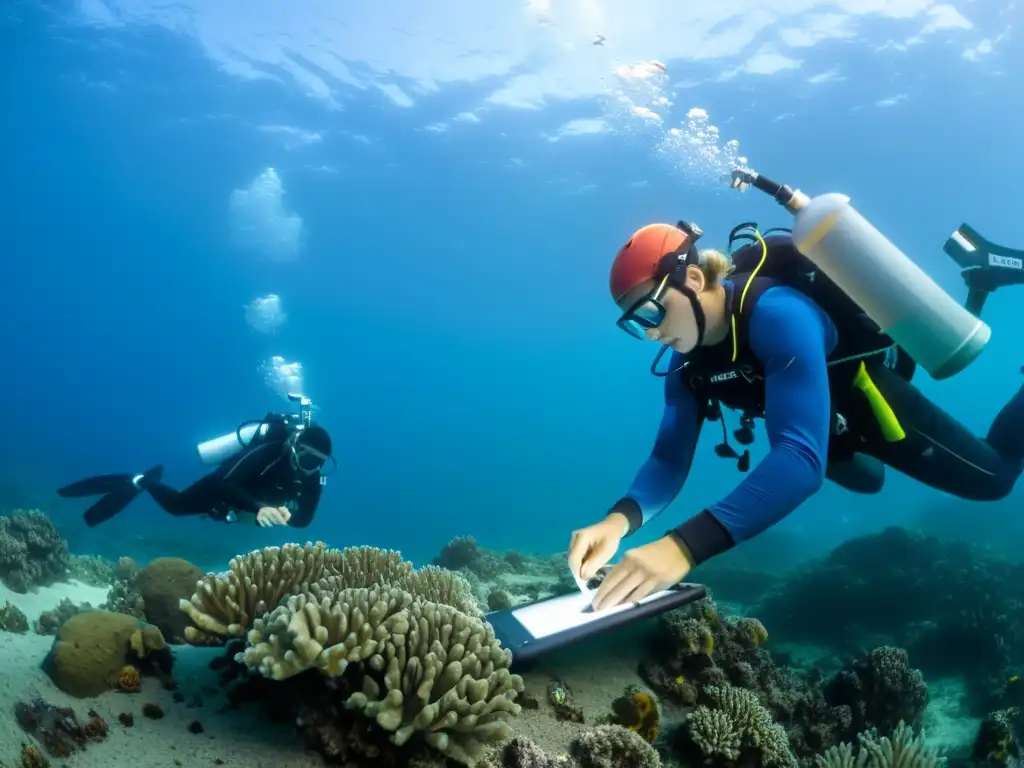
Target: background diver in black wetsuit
[269,472]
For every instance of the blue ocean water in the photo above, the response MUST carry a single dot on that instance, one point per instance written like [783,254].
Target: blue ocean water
[438,224]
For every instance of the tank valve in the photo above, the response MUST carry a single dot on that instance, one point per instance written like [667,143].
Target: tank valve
[792,200]
[305,407]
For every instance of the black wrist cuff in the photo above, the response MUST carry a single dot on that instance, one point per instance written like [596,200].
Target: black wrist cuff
[631,511]
[704,536]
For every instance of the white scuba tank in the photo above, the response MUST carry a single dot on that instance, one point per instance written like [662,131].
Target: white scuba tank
[220,449]
[908,306]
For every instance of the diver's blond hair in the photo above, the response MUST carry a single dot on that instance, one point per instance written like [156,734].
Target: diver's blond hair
[714,264]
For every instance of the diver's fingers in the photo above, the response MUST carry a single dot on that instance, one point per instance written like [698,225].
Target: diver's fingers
[648,586]
[579,548]
[611,594]
[597,558]
[613,577]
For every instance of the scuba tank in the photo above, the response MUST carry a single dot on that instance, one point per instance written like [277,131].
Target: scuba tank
[896,294]
[219,449]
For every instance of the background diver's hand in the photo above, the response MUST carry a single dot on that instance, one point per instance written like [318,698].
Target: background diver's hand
[644,570]
[592,547]
[268,516]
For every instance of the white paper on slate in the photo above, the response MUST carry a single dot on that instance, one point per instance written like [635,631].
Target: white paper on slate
[579,582]
[549,617]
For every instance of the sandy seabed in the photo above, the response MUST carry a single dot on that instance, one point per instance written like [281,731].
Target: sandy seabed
[240,738]
[231,739]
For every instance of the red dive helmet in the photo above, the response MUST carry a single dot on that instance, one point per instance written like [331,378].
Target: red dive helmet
[652,252]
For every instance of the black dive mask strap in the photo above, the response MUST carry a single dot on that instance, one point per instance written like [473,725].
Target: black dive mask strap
[698,310]
[675,263]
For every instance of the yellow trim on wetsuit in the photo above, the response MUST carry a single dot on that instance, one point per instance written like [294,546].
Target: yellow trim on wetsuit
[884,415]
[743,295]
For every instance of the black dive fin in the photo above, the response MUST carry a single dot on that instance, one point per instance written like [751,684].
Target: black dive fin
[94,486]
[116,501]
[110,505]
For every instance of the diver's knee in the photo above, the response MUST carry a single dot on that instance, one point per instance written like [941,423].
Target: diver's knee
[860,474]
[999,488]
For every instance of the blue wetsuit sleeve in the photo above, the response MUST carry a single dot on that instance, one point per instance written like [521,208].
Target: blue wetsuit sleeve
[662,476]
[792,338]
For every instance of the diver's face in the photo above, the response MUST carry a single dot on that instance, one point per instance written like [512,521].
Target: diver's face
[308,460]
[676,325]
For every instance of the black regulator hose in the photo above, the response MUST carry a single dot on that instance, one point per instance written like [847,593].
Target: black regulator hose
[238,432]
[781,193]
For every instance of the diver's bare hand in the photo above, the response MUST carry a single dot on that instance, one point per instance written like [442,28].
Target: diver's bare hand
[592,547]
[268,516]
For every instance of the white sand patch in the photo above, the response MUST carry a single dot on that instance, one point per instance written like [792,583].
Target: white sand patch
[42,599]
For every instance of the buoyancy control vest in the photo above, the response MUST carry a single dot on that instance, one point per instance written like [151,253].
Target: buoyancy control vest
[729,374]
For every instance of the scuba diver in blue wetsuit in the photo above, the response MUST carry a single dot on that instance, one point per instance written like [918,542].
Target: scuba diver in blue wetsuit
[769,334]
[270,471]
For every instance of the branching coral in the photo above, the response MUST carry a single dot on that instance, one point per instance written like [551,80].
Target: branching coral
[902,750]
[746,724]
[423,660]
[427,667]
[227,604]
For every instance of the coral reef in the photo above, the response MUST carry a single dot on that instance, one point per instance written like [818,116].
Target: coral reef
[438,671]
[162,584]
[637,711]
[733,721]
[900,750]
[697,652]
[505,579]
[880,690]
[226,605]
[123,597]
[32,553]
[997,745]
[57,728]
[914,592]
[403,647]
[604,746]
[92,570]
[50,622]
[12,619]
